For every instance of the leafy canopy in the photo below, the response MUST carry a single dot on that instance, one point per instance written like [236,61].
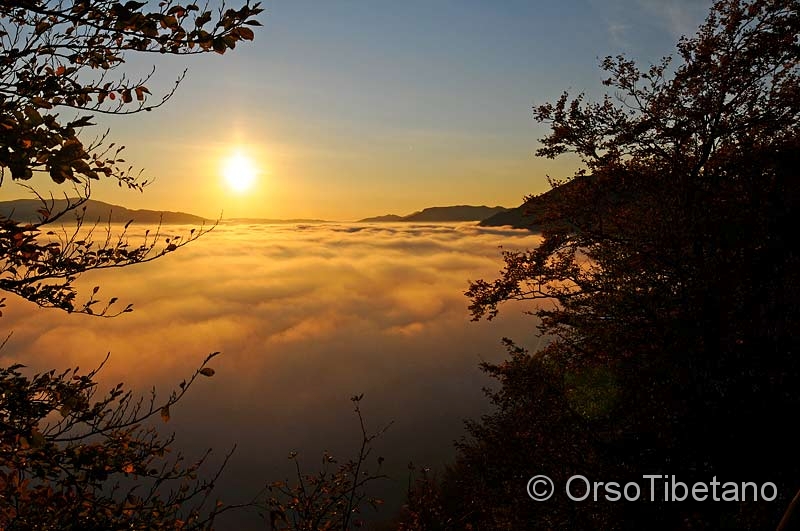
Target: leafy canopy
[66,58]
[70,457]
[670,269]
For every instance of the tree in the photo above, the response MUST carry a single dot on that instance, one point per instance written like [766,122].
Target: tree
[328,499]
[71,460]
[672,263]
[68,459]
[66,56]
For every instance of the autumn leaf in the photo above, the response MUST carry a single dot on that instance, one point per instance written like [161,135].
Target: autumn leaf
[246,33]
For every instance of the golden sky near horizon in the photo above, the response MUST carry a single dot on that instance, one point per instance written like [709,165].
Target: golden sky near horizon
[351,109]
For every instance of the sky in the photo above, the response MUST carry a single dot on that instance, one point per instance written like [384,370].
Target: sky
[351,109]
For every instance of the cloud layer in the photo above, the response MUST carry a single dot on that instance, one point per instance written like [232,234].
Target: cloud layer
[305,316]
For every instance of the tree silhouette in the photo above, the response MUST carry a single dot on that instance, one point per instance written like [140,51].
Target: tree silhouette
[71,458]
[672,263]
[66,56]
[332,498]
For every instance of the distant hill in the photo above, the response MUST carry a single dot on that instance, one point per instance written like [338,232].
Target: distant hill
[27,210]
[528,215]
[448,213]
[269,221]
[387,218]
[524,216]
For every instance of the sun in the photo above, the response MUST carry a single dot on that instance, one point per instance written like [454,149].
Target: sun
[239,172]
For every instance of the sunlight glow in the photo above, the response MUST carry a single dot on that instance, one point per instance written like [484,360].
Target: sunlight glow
[239,172]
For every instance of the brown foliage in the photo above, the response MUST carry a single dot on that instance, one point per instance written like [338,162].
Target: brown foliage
[672,260]
[72,460]
[68,459]
[67,55]
[332,498]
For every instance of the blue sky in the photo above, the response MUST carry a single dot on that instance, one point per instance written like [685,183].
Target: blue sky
[356,108]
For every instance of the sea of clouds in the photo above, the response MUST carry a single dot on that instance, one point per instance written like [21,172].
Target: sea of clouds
[305,317]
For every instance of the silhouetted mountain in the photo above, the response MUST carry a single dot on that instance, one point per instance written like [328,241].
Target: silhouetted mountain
[28,210]
[449,213]
[528,215]
[522,217]
[387,217]
[270,221]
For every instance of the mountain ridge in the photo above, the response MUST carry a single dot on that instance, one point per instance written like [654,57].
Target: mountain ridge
[529,215]
[28,210]
[446,213]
